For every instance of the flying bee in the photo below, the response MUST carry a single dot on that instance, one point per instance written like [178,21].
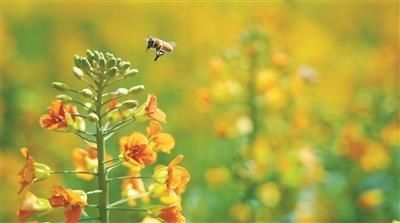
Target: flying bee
[160,46]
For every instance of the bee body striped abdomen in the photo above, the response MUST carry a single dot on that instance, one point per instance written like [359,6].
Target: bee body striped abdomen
[160,46]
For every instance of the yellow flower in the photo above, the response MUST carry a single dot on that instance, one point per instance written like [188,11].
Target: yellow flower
[72,200]
[85,160]
[134,187]
[265,80]
[172,214]
[32,171]
[31,205]
[276,98]
[60,116]
[217,176]
[269,194]
[135,149]
[375,158]
[159,141]
[370,199]
[240,212]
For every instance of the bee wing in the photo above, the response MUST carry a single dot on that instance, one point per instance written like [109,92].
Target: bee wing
[172,43]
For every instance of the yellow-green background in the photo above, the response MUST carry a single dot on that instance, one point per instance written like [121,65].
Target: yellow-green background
[353,46]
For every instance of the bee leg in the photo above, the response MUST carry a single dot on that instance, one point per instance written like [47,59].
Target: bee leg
[159,53]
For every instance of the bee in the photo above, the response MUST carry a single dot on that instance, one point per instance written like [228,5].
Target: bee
[160,46]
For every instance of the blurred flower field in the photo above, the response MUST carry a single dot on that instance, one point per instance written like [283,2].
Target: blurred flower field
[284,111]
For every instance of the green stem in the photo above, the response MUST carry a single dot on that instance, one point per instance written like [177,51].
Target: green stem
[72,172]
[93,192]
[126,209]
[101,150]
[128,199]
[120,125]
[129,177]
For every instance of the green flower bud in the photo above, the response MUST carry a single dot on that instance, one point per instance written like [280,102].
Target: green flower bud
[65,98]
[86,65]
[96,55]
[102,62]
[112,62]
[161,174]
[121,91]
[124,65]
[118,60]
[89,54]
[108,55]
[131,72]
[87,93]
[93,117]
[136,89]
[77,72]
[42,171]
[129,104]
[60,86]
[77,61]
[112,72]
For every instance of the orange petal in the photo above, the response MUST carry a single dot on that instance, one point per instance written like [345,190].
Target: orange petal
[72,214]
[164,142]
[176,161]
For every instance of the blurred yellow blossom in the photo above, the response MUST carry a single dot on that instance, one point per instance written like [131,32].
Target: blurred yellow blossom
[375,158]
[217,176]
[371,198]
[240,212]
[269,194]
[265,80]
[276,98]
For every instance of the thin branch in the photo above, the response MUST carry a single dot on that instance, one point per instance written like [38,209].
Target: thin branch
[86,133]
[84,137]
[120,125]
[126,209]
[109,111]
[92,205]
[89,84]
[127,199]
[110,161]
[114,166]
[83,105]
[89,219]
[72,172]
[115,81]
[129,177]
[94,192]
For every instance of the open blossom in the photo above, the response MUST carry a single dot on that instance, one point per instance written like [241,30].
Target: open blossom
[72,200]
[173,176]
[85,160]
[172,214]
[152,110]
[160,141]
[135,149]
[60,116]
[32,171]
[31,205]
[134,187]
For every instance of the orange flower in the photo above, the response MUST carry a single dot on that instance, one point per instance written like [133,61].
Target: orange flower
[135,149]
[178,177]
[172,214]
[85,160]
[31,204]
[160,141]
[134,187]
[72,200]
[31,171]
[59,116]
[153,111]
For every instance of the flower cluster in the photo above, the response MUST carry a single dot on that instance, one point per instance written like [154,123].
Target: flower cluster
[105,112]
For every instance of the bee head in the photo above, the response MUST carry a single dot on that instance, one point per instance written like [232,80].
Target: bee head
[150,43]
